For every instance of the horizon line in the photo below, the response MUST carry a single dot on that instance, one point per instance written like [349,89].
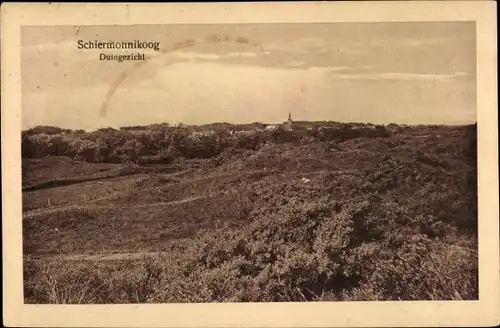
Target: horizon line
[250,123]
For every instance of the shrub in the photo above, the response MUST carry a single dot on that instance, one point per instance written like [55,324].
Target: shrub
[379,219]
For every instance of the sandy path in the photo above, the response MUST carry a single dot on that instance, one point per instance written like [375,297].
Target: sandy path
[97,207]
[104,257]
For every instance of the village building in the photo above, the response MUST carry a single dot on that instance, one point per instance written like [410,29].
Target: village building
[199,134]
[288,125]
[245,132]
[271,127]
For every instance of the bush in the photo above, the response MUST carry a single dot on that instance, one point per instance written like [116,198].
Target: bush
[379,219]
[162,143]
[306,250]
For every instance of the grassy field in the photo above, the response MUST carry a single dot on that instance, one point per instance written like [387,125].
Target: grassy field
[363,219]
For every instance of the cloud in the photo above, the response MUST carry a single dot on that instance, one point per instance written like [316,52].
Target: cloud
[354,47]
[421,42]
[399,76]
[193,56]
[325,70]
[398,43]
[430,42]
[318,46]
[300,46]
[241,54]
[187,92]
[345,69]
[295,63]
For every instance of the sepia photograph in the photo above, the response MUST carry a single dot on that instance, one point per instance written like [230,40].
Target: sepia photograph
[253,163]
[249,162]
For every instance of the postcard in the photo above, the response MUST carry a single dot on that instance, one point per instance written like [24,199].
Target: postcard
[305,164]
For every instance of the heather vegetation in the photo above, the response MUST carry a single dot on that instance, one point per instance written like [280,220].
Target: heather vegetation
[325,212]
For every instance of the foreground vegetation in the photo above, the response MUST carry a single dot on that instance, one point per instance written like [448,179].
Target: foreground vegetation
[387,213]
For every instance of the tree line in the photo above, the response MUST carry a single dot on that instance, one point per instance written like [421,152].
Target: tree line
[162,144]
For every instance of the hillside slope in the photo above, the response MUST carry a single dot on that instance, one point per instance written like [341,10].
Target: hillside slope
[360,219]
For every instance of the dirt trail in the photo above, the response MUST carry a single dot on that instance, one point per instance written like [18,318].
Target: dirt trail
[54,183]
[99,257]
[294,175]
[97,207]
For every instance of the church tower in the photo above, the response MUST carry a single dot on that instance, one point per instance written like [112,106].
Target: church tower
[288,124]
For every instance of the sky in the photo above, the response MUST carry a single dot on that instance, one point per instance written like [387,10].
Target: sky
[381,73]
